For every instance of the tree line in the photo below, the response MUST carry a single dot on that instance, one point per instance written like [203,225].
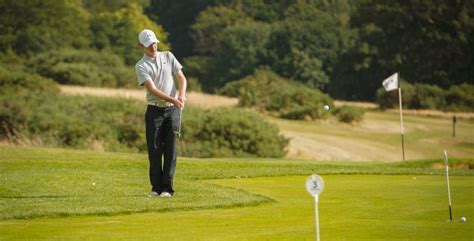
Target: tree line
[344,48]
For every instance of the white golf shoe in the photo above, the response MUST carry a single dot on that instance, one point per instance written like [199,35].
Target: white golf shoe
[153,194]
[165,194]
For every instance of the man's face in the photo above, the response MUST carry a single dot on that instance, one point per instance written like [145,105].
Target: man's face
[150,50]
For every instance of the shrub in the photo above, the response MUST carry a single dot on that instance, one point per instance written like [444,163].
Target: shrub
[387,100]
[46,118]
[227,132]
[349,114]
[197,67]
[193,85]
[11,81]
[267,91]
[83,67]
[427,97]
[55,120]
[424,96]
[460,98]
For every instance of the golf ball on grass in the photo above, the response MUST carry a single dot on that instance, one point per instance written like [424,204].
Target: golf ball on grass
[463,219]
[326,107]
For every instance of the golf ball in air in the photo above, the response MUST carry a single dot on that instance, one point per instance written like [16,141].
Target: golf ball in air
[326,107]
[463,219]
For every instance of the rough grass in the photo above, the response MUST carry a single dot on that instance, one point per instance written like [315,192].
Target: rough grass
[202,100]
[377,138]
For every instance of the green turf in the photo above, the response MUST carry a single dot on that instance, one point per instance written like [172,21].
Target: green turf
[49,194]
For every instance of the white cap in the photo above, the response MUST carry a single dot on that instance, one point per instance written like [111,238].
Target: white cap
[147,37]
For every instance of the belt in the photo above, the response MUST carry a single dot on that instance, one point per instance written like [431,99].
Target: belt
[160,104]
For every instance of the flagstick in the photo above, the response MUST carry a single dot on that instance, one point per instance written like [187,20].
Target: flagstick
[401,120]
[447,181]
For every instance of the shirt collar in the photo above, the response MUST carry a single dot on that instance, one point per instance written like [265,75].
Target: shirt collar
[151,59]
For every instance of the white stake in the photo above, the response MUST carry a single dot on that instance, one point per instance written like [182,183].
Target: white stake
[314,186]
[317,216]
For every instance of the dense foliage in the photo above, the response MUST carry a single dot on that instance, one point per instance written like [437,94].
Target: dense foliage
[344,47]
[427,41]
[31,116]
[341,47]
[267,91]
[227,132]
[426,96]
[77,31]
[32,112]
[83,67]
[349,114]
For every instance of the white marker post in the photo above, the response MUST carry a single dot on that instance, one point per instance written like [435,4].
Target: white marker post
[447,183]
[314,186]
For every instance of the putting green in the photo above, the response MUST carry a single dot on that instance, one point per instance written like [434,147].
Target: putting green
[352,207]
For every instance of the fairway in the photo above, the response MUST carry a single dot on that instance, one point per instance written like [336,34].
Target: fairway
[225,199]
[351,208]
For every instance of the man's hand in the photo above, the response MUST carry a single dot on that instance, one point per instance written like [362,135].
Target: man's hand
[183,100]
[178,103]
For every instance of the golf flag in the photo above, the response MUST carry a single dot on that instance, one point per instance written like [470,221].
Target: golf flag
[391,83]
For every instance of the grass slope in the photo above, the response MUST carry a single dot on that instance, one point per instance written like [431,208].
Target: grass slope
[377,138]
[256,199]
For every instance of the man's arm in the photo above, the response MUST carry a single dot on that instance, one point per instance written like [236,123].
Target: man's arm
[160,94]
[182,85]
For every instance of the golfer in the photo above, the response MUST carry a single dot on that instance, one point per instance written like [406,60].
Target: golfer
[155,70]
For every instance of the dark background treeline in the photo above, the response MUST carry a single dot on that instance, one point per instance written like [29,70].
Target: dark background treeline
[344,48]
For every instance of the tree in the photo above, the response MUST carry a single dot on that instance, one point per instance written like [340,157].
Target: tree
[263,10]
[98,6]
[118,31]
[177,16]
[210,24]
[240,50]
[306,45]
[427,41]
[30,26]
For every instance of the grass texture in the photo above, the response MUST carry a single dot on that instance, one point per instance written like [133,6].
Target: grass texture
[75,195]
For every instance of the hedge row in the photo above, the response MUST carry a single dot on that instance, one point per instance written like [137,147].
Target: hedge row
[267,91]
[83,67]
[32,112]
[228,132]
[425,96]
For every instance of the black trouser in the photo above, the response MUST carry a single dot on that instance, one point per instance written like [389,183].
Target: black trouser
[161,141]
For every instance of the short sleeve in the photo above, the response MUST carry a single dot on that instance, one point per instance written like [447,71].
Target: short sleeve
[142,74]
[175,65]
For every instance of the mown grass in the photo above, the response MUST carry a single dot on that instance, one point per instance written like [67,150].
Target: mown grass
[40,182]
[352,207]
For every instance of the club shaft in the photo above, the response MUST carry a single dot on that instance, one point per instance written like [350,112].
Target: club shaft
[180,118]
[450,214]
